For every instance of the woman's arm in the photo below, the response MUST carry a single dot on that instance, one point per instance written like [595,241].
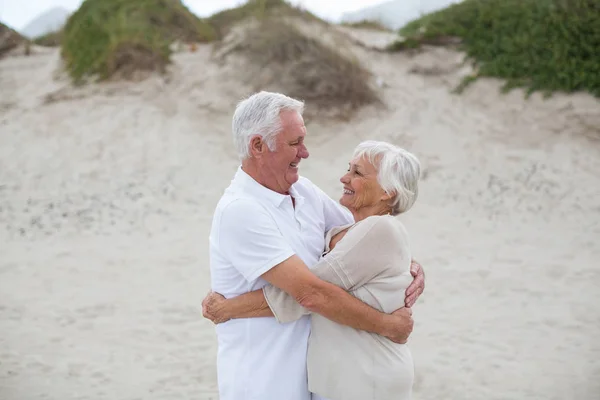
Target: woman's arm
[248,305]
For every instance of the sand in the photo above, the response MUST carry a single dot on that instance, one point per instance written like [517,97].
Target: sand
[107,193]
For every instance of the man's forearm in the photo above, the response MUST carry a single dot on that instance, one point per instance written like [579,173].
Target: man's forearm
[316,295]
[335,304]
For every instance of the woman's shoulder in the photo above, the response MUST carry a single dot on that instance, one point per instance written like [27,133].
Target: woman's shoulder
[374,236]
[382,226]
[381,222]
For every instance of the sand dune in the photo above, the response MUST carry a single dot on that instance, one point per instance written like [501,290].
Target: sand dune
[107,193]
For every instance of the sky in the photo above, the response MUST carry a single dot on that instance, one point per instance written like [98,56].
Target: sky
[18,13]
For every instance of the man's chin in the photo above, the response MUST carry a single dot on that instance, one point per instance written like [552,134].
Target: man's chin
[292,176]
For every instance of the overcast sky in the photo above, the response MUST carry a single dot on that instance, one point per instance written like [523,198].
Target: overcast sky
[18,13]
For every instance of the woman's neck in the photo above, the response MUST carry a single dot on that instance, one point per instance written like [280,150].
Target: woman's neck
[365,212]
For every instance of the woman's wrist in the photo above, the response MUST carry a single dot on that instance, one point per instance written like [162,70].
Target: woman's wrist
[224,311]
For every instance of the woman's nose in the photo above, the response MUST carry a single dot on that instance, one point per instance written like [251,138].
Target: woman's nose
[344,178]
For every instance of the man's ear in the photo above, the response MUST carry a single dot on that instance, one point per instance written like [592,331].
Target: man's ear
[257,146]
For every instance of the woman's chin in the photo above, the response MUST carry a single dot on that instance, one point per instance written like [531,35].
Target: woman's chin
[344,201]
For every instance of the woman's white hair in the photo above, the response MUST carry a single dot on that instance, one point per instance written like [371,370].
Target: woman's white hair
[259,115]
[398,172]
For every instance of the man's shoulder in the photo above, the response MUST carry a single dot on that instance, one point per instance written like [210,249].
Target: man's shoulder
[307,188]
[238,205]
[304,182]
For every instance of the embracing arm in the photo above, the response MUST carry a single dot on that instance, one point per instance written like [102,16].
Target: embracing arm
[313,294]
[248,305]
[254,304]
[271,258]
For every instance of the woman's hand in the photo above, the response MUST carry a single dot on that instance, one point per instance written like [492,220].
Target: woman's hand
[417,286]
[213,308]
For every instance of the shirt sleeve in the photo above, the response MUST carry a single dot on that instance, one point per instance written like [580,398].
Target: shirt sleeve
[284,307]
[250,239]
[335,214]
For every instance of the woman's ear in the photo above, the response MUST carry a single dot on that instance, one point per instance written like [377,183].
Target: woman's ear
[387,196]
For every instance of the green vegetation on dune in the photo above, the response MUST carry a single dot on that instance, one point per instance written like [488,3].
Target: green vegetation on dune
[545,45]
[224,20]
[51,39]
[104,37]
[115,38]
[367,24]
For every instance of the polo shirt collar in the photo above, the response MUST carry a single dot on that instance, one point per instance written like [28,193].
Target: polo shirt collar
[247,183]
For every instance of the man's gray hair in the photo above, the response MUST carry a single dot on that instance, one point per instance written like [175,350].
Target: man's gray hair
[259,115]
[398,172]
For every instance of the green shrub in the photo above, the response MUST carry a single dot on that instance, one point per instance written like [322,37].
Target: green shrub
[546,45]
[104,37]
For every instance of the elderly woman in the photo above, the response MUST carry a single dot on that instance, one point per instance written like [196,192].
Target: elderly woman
[371,260]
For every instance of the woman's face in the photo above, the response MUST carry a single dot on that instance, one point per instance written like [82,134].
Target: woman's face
[361,188]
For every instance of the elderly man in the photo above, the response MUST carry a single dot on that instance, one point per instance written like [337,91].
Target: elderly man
[267,223]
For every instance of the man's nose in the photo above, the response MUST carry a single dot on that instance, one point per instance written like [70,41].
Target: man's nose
[303,152]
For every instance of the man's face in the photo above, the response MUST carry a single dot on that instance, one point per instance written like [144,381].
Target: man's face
[280,166]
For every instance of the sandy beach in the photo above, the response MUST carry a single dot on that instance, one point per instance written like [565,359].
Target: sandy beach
[106,199]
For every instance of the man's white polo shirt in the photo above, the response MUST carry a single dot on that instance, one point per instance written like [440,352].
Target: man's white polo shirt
[253,230]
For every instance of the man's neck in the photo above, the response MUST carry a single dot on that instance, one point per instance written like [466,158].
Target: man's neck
[250,167]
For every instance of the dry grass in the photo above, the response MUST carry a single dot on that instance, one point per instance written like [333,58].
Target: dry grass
[278,56]
[131,59]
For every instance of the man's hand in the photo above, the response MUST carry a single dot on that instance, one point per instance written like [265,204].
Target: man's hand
[417,286]
[400,325]
[213,306]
